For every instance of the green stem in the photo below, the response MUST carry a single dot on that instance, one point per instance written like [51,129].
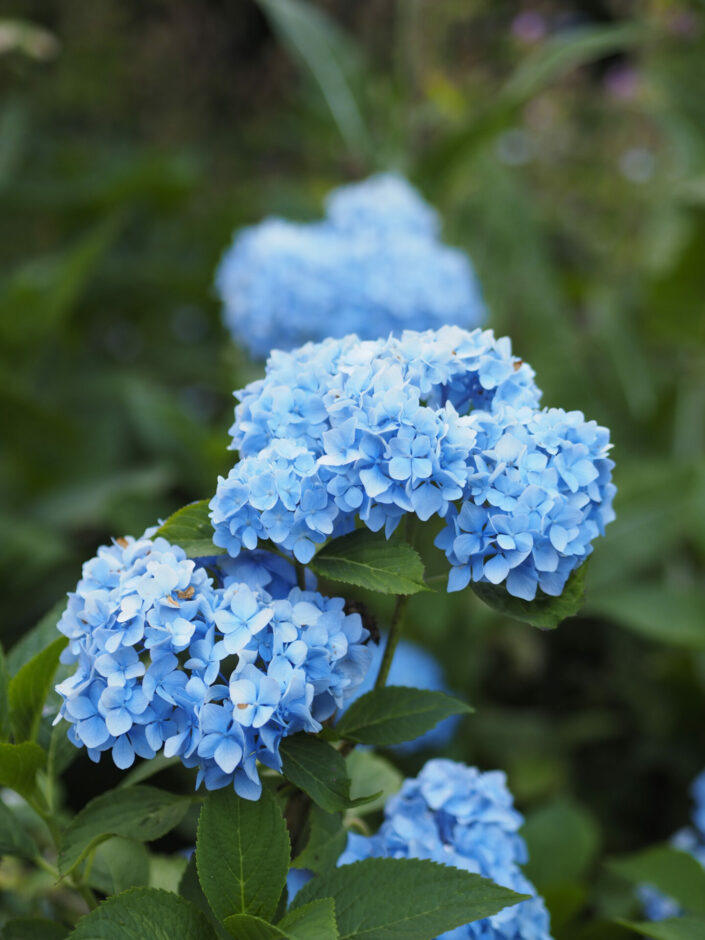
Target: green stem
[300,576]
[395,628]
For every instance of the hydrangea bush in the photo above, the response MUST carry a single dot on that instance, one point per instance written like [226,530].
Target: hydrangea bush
[373,266]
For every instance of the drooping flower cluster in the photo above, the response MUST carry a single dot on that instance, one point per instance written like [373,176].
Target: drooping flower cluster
[441,423]
[691,839]
[217,672]
[457,816]
[373,266]
[415,668]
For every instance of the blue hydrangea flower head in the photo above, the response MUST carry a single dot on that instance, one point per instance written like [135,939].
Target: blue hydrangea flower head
[373,266]
[214,670]
[416,668]
[441,423]
[458,816]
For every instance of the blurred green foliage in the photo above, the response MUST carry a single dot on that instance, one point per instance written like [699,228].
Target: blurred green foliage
[564,146]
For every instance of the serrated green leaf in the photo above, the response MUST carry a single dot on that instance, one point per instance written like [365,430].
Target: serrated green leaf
[248,927]
[404,899]
[314,921]
[326,841]
[366,559]
[675,928]
[319,770]
[368,771]
[190,528]
[37,639]
[394,714]
[141,913]
[28,690]
[118,864]
[141,813]
[676,874]
[544,611]
[19,764]
[14,840]
[190,888]
[33,928]
[563,840]
[242,854]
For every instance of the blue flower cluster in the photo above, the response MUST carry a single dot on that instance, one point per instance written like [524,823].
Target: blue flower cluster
[216,672]
[691,839]
[457,816]
[441,423]
[415,668]
[373,266]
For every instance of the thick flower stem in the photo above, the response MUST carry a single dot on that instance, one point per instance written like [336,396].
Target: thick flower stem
[395,628]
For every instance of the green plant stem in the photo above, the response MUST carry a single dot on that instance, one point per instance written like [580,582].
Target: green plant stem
[395,628]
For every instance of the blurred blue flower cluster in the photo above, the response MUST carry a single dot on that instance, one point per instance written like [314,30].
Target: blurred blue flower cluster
[373,266]
[415,668]
[217,673]
[691,839]
[455,815]
[440,423]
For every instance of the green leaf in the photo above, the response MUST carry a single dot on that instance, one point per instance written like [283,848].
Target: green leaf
[314,921]
[366,559]
[394,714]
[563,840]
[248,927]
[4,703]
[33,928]
[19,764]
[141,913]
[119,864]
[242,854]
[190,528]
[14,840]
[675,928]
[544,611]
[370,772]
[676,874]
[190,888]
[319,770]
[28,690]
[326,841]
[141,813]
[321,46]
[404,899]
[662,612]
[36,640]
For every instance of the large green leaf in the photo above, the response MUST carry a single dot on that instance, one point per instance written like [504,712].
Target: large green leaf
[370,561]
[141,813]
[543,611]
[4,702]
[320,45]
[19,764]
[37,639]
[14,840]
[404,899]
[662,612]
[314,921]
[190,528]
[248,927]
[326,841]
[394,714]
[676,874]
[675,928]
[144,914]
[369,772]
[242,854]
[319,770]
[28,690]
[563,840]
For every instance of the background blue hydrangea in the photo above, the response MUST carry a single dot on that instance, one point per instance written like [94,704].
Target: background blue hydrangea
[373,266]
[214,671]
[456,815]
[441,423]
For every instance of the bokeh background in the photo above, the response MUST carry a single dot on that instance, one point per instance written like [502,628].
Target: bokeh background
[563,143]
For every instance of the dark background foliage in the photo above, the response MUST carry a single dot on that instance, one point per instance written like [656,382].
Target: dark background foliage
[563,144]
